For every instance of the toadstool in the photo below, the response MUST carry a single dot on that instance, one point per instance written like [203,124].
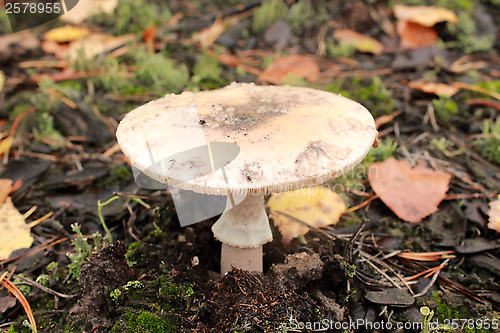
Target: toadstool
[288,138]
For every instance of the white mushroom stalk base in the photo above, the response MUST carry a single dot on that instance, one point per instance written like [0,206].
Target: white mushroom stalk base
[242,231]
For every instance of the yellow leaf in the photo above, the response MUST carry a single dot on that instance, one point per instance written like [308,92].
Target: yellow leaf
[425,15]
[14,232]
[5,187]
[5,145]
[2,80]
[66,34]
[361,42]
[316,206]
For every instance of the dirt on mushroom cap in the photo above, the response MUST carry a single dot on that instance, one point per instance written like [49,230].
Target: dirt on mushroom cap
[289,137]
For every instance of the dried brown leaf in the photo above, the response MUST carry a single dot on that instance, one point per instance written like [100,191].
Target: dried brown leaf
[411,193]
[294,65]
[208,36]
[494,215]
[95,44]
[440,89]
[414,35]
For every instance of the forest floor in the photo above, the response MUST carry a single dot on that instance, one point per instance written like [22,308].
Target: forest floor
[431,81]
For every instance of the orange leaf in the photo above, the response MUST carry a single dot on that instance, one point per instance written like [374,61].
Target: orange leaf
[414,35]
[292,65]
[494,214]
[361,42]
[426,256]
[411,193]
[149,36]
[385,119]
[425,15]
[440,89]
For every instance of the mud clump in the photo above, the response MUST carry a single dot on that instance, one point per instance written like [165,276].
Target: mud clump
[243,301]
[102,273]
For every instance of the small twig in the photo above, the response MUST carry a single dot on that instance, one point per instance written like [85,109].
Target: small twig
[384,274]
[382,263]
[41,287]
[433,280]
[351,241]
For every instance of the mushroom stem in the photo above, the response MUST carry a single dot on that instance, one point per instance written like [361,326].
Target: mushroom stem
[242,230]
[248,259]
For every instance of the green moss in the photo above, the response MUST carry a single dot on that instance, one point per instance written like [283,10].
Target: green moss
[489,144]
[374,96]
[148,322]
[160,74]
[268,13]
[385,150]
[444,108]
[207,73]
[123,173]
[301,13]
[469,36]
[133,16]
[339,49]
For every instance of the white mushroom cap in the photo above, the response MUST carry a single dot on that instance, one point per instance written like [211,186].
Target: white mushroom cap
[289,137]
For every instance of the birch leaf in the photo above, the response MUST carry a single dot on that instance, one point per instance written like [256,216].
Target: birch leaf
[14,232]
[316,206]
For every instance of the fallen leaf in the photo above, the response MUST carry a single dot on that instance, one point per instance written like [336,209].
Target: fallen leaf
[317,206]
[494,214]
[2,80]
[87,8]
[14,232]
[7,302]
[427,16]
[208,36]
[149,36]
[5,187]
[65,34]
[361,42]
[60,50]
[385,119]
[95,44]
[5,145]
[411,193]
[391,296]
[414,35]
[440,89]
[292,65]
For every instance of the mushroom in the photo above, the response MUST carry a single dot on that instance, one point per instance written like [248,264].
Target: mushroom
[288,138]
